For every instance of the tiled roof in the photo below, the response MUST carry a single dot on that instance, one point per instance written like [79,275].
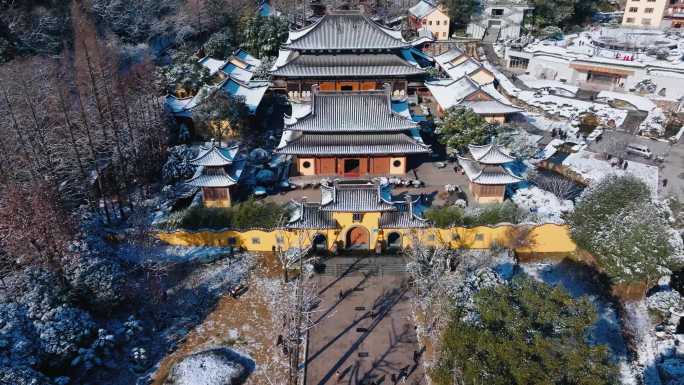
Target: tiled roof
[369,65]
[450,93]
[490,107]
[213,155]
[367,111]
[366,197]
[356,144]
[405,218]
[487,174]
[422,9]
[490,154]
[347,30]
[211,177]
[310,216]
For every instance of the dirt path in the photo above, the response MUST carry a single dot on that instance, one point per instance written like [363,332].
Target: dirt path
[243,324]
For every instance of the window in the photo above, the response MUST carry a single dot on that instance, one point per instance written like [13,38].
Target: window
[232,241]
[396,163]
[356,217]
[431,237]
[645,21]
[630,20]
[437,22]
[256,241]
[519,62]
[648,10]
[280,240]
[479,237]
[429,22]
[306,164]
[633,9]
[455,237]
[443,34]
[497,12]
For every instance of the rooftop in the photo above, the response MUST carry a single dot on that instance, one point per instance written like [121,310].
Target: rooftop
[356,197]
[349,111]
[357,144]
[345,30]
[328,65]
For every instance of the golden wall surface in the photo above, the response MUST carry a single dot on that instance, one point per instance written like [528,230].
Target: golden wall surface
[525,239]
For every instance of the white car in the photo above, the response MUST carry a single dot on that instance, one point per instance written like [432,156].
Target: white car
[639,149]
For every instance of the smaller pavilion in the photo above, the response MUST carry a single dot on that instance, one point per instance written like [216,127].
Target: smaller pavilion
[485,171]
[218,169]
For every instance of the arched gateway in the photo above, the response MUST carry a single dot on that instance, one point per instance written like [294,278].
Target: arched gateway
[358,238]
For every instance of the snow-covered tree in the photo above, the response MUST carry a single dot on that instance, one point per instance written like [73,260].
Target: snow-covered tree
[222,116]
[461,126]
[185,73]
[628,235]
[220,44]
[262,36]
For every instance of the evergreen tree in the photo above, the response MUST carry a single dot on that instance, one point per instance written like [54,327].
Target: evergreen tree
[460,11]
[525,332]
[262,36]
[461,126]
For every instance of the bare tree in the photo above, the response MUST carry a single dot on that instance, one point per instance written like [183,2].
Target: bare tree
[559,186]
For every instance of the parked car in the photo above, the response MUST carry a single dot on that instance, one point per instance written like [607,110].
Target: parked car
[639,149]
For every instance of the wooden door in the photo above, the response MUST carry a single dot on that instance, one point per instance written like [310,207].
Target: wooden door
[381,165]
[327,166]
[347,86]
[358,238]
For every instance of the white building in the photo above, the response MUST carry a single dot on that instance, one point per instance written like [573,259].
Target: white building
[590,64]
[644,13]
[499,20]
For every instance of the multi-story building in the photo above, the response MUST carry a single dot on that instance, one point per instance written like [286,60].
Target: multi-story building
[345,51]
[351,134]
[644,13]
[431,16]
[485,171]
[218,171]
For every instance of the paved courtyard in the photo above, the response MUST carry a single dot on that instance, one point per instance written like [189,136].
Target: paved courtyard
[364,335]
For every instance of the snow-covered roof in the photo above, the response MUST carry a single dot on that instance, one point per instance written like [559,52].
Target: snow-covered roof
[490,154]
[214,155]
[211,177]
[213,65]
[450,93]
[252,92]
[422,9]
[490,107]
[486,174]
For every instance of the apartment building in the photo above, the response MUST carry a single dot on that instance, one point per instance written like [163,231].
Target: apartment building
[644,13]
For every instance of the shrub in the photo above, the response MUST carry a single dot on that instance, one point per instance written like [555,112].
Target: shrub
[449,216]
[525,332]
[628,235]
[246,215]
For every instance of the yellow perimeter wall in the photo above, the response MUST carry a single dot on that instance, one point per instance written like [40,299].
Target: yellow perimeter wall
[540,239]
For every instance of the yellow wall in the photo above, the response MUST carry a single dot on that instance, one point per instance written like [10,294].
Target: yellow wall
[306,171]
[398,170]
[543,239]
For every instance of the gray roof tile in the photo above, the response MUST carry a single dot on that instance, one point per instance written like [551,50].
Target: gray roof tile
[348,30]
[354,198]
[370,65]
[356,144]
[310,216]
[368,111]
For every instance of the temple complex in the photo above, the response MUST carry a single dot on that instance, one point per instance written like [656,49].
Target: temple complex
[351,134]
[486,175]
[346,51]
[218,169]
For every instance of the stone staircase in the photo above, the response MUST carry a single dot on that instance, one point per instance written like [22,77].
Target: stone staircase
[378,266]
[492,35]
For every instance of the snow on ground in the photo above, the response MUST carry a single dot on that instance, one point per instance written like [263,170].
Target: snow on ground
[537,84]
[572,108]
[544,204]
[639,102]
[578,282]
[591,167]
[639,323]
[654,122]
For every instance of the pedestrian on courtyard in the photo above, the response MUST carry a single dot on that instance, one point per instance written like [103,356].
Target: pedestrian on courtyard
[625,166]
[416,356]
[665,182]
